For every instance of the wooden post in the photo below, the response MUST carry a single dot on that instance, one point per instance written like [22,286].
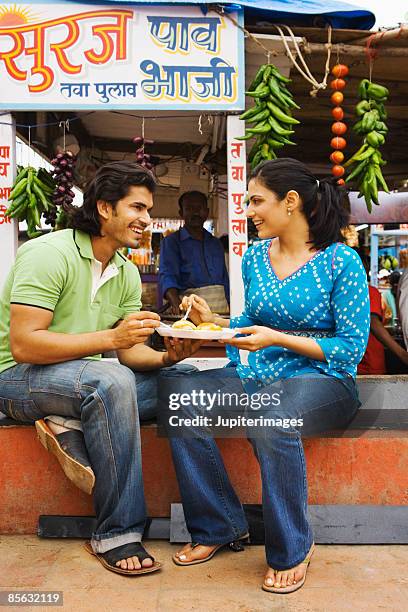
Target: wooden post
[8,227]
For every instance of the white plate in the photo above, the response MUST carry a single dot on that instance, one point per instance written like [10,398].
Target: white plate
[194,334]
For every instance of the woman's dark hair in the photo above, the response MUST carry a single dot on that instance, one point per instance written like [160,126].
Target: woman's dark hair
[324,201]
[111,183]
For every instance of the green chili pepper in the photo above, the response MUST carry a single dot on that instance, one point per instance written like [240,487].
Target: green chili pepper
[258,78]
[261,128]
[252,111]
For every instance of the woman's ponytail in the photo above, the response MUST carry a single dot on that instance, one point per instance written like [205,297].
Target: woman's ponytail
[330,214]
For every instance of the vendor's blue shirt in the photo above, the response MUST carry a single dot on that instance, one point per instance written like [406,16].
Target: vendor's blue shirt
[186,262]
[328,294]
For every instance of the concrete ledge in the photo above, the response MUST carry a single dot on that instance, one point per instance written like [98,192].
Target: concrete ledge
[367,464]
[369,469]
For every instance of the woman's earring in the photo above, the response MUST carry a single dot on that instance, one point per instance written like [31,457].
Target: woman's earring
[289,212]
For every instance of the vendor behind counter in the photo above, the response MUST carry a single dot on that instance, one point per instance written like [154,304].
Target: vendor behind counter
[192,260]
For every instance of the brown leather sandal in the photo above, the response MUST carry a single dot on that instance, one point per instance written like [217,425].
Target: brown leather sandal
[134,549]
[72,458]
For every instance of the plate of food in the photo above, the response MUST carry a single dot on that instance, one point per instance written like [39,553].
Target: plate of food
[203,331]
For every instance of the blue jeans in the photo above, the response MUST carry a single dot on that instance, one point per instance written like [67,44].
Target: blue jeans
[109,399]
[213,512]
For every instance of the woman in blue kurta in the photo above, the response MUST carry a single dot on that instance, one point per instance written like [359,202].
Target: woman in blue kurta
[305,325]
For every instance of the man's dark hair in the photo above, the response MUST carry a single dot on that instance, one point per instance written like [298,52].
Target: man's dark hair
[111,184]
[324,202]
[193,195]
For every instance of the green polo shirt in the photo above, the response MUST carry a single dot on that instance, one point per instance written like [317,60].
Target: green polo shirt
[56,272]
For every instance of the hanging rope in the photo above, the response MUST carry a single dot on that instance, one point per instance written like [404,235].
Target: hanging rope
[268,52]
[65,126]
[307,75]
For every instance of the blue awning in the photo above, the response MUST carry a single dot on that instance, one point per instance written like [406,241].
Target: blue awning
[306,13]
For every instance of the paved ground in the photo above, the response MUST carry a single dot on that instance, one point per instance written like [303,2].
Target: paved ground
[358,578]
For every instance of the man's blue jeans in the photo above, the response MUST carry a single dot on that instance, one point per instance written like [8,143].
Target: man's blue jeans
[213,512]
[109,399]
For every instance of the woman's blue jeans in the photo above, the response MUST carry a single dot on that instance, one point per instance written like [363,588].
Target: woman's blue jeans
[109,399]
[213,512]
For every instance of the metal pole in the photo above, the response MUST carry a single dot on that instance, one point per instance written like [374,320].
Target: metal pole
[374,257]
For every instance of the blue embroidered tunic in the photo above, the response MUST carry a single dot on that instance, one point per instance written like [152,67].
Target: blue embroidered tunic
[326,299]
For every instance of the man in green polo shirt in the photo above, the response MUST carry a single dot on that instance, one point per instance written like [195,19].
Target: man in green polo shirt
[70,297]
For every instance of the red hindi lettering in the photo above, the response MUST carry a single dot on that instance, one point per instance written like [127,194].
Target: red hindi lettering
[237,173]
[104,32]
[5,152]
[5,193]
[38,51]
[59,48]
[237,199]
[238,248]
[11,54]
[3,217]
[113,37]
[236,149]
[238,226]
[4,166]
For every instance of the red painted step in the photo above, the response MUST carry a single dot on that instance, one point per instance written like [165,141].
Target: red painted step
[370,468]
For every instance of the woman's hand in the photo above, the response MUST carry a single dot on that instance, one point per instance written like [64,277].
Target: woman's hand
[258,337]
[200,311]
[179,349]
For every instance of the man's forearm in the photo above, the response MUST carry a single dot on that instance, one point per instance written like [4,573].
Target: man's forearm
[42,347]
[379,331]
[143,358]
[173,296]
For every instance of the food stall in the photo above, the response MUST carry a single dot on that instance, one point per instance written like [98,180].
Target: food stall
[75,69]
[79,68]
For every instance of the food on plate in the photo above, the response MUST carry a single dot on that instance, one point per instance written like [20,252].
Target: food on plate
[207,326]
[184,324]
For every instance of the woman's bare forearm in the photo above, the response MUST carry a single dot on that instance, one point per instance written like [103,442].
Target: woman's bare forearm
[307,347]
[221,321]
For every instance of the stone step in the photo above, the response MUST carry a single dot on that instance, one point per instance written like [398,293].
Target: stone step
[363,467]
[366,464]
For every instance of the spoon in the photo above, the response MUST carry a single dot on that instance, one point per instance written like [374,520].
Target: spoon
[187,311]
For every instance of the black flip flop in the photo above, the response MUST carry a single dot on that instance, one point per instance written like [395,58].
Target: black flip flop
[134,549]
